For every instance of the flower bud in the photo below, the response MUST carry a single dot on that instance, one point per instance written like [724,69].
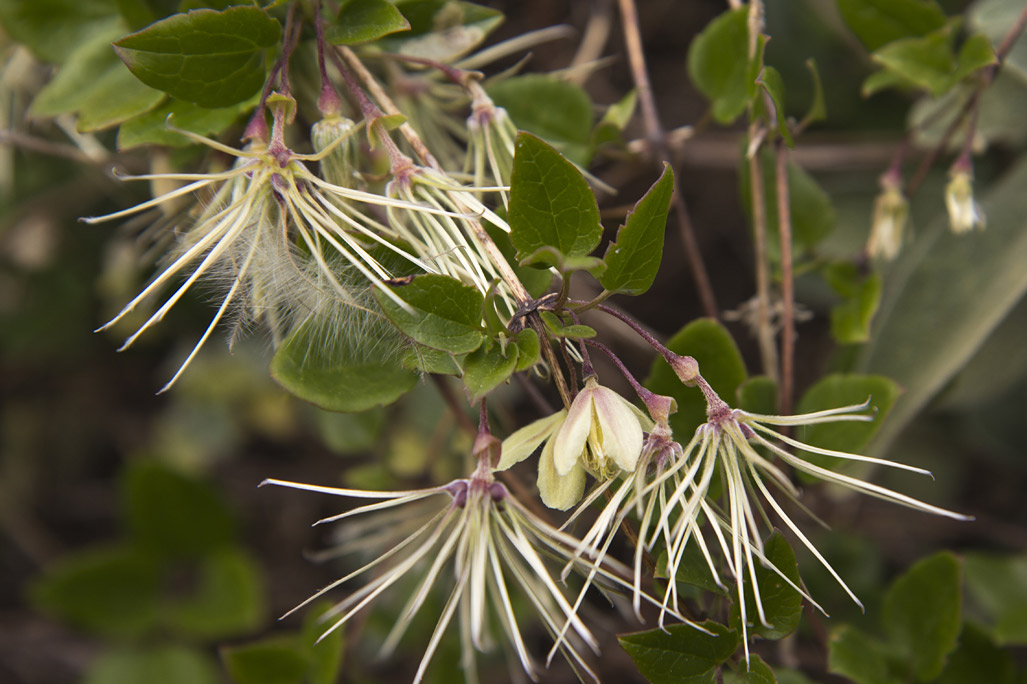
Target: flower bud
[336,132]
[685,367]
[964,213]
[891,211]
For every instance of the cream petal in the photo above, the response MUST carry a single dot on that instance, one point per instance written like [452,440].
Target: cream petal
[559,490]
[523,443]
[621,432]
[569,442]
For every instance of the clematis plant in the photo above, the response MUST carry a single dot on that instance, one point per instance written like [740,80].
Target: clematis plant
[400,213]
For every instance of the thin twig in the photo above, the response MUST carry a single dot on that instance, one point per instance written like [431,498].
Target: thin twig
[658,145]
[462,419]
[547,351]
[597,32]
[47,147]
[784,223]
[764,329]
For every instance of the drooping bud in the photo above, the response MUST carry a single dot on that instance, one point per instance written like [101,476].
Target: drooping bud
[891,212]
[964,212]
[685,367]
[335,133]
[659,406]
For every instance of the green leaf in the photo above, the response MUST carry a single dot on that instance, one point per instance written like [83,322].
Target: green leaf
[930,322]
[772,83]
[559,328]
[551,205]
[693,569]
[427,360]
[112,592]
[884,79]
[154,127]
[720,363]
[922,614]
[758,395]
[813,216]
[718,64]
[441,30]
[96,86]
[978,659]
[350,433]
[228,601]
[611,127]
[998,585]
[54,29]
[528,349]
[444,313]
[976,53]
[535,280]
[174,515]
[928,61]
[878,22]
[360,21]
[850,320]
[634,259]
[782,604]
[325,651]
[153,665]
[275,660]
[818,108]
[835,391]
[858,656]
[566,120]
[681,654]
[210,58]
[488,367]
[346,378]
[544,256]
[755,672]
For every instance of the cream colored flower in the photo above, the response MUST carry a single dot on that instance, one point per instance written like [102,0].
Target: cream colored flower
[602,432]
[964,212]
[891,213]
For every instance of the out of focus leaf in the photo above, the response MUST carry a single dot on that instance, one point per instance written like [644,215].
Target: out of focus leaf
[228,600]
[112,592]
[999,585]
[878,22]
[174,515]
[153,665]
[923,614]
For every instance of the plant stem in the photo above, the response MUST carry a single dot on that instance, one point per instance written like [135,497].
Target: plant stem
[462,419]
[764,329]
[658,145]
[784,222]
[379,94]
[535,321]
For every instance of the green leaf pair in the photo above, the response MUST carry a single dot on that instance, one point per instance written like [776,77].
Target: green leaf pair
[554,221]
